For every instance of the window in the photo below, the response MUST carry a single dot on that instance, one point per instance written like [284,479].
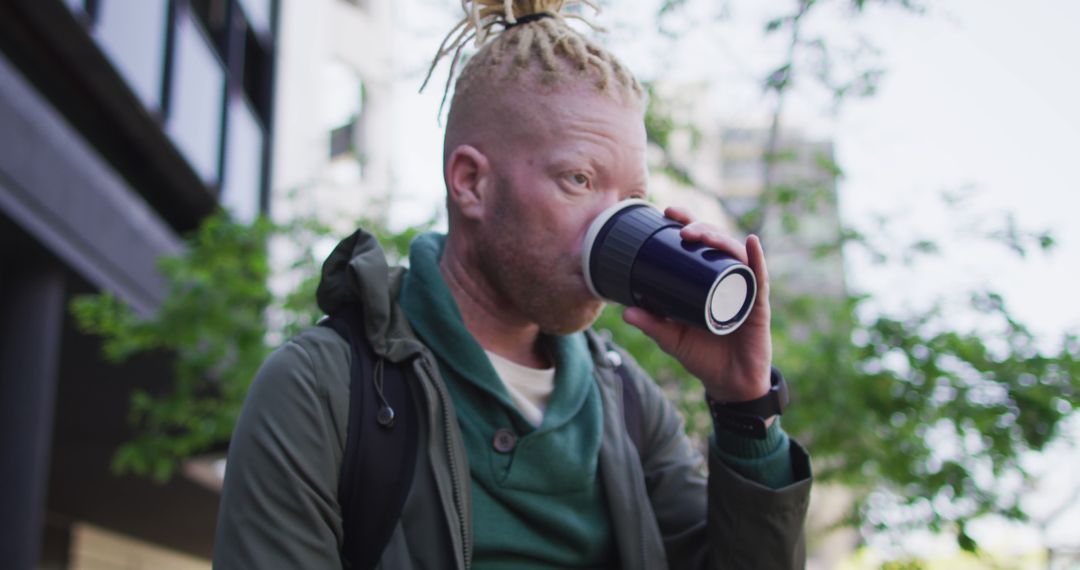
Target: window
[342,105]
[744,170]
[243,162]
[213,15]
[342,140]
[257,74]
[204,69]
[132,35]
[196,99]
[258,14]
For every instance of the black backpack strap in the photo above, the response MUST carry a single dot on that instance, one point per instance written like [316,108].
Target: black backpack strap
[380,448]
[631,398]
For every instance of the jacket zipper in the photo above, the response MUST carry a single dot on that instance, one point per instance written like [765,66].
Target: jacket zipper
[455,481]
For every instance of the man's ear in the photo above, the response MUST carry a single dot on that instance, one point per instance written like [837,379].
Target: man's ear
[468,178]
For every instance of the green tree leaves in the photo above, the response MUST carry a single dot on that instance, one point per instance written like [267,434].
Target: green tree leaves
[212,321]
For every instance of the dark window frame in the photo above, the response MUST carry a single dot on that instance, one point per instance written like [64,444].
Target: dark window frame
[247,57]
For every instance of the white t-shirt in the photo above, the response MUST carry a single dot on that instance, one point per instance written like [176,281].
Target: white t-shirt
[529,388]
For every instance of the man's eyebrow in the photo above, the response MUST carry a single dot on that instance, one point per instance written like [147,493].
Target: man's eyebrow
[573,158]
[587,152]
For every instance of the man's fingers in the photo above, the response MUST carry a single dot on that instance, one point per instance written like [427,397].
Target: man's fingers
[756,261]
[713,237]
[681,215]
[666,333]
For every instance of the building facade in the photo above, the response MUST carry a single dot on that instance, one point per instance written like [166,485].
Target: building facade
[686,173]
[123,123]
[335,89]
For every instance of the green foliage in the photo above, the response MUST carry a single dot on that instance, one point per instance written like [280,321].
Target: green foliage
[903,565]
[917,407]
[295,308]
[670,6]
[395,243]
[212,320]
[1020,240]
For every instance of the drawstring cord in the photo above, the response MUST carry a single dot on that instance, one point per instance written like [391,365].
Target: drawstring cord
[386,413]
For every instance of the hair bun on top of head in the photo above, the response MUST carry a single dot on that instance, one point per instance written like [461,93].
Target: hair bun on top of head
[486,19]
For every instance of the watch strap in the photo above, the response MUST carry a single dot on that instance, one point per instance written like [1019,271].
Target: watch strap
[748,418]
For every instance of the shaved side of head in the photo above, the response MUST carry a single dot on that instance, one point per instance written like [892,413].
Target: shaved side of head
[502,99]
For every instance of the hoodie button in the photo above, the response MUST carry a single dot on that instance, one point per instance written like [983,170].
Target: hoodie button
[504,441]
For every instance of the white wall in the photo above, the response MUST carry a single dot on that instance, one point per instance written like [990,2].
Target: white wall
[319,41]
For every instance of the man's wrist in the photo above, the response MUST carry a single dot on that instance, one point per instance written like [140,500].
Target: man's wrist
[728,389]
[751,418]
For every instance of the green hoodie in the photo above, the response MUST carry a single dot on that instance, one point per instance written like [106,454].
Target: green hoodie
[539,504]
[279,506]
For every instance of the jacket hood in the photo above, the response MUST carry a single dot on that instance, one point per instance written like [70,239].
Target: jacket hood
[357,273]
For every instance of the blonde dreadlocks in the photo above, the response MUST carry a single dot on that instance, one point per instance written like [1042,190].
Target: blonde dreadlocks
[516,36]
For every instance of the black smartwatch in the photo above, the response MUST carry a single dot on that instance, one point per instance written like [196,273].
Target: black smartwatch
[748,418]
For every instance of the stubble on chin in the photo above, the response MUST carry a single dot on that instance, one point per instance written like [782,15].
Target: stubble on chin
[533,289]
[541,286]
[566,320]
[588,319]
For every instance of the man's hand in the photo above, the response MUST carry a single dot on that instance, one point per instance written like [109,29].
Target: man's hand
[735,367]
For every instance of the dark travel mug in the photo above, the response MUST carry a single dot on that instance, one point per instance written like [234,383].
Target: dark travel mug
[633,255]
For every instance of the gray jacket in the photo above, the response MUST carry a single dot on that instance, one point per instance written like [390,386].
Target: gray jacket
[279,506]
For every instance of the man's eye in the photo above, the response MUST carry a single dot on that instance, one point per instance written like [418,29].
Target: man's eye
[581,179]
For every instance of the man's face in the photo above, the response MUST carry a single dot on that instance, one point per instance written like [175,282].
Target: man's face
[588,153]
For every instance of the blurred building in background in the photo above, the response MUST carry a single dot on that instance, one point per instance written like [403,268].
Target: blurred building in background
[685,171]
[332,151]
[800,221]
[123,124]
[334,92]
